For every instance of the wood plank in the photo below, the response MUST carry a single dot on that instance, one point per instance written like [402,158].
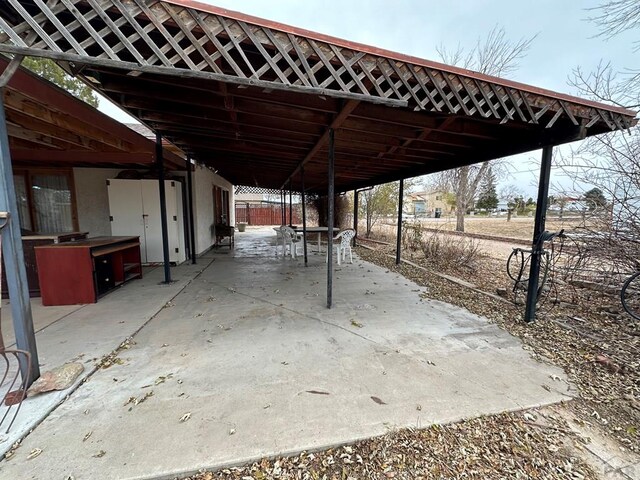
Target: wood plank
[61,28]
[115,30]
[151,16]
[303,60]
[80,18]
[285,54]
[37,29]
[236,44]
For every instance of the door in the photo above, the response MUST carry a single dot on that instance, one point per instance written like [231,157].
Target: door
[152,220]
[125,208]
[220,206]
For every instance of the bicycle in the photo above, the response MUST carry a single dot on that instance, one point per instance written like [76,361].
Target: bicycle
[630,295]
[522,263]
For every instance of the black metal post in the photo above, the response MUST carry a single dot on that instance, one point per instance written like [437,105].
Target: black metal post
[163,209]
[399,232]
[14,260]
[355,216]
[290,204]
[192,228]
[304,215]
[330,193]
[282,210]
[538,229]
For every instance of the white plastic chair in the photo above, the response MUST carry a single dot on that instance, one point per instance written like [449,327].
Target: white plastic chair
[279,238]
[290,238]
[344,238]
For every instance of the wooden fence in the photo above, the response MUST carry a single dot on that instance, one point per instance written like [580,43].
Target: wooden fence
[261,214]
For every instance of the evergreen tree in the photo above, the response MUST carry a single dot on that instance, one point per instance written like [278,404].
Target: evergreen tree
[595,199]
[48,70]
[488,197]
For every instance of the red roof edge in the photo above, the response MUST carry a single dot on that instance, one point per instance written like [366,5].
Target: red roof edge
[204,7]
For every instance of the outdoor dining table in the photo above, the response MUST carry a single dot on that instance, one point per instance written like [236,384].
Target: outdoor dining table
[318,230]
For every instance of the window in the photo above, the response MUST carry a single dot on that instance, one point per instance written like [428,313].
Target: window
[46,200]
[438,197]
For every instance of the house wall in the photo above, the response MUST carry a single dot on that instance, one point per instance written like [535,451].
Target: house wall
[203,182]
[92,199]
[93,202]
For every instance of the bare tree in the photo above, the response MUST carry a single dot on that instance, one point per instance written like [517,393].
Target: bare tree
[510,193]
[611,162]
[616,16]
[493,55]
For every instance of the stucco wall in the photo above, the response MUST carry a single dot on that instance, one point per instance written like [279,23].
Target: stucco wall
[203,182]
[93,200]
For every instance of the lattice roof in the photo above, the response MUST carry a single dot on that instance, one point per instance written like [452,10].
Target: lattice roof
[255,99]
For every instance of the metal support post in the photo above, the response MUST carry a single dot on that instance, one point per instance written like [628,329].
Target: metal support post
[355,216]
[399,232]
[290,204]
[304,216]
[14,260]
[192,228]
[538,230]
[163,209]
[330,194]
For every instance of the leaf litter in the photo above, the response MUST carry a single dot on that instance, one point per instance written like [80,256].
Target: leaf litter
[496,447]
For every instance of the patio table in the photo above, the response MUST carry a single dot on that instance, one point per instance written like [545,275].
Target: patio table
[318,230]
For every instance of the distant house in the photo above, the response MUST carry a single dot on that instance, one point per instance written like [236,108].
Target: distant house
[503,205]
[429,204]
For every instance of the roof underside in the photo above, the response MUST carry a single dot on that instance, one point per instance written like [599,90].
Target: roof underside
[255,100]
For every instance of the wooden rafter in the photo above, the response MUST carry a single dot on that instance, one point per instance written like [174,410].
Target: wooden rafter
[322,141]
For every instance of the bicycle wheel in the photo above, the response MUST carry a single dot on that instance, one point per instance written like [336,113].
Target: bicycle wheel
[630,295]
[517,265]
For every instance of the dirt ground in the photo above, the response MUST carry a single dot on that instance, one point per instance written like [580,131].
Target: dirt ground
[517,227]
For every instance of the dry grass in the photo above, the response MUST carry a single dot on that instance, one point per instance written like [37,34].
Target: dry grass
[518,227]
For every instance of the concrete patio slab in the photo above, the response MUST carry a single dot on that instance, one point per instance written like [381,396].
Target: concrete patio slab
[85,333]
[255,365]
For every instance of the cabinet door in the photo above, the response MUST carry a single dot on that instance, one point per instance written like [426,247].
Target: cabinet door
[153,225]
[125,208]
[181,255]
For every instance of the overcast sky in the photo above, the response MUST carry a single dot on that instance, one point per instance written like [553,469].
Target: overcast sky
[565,38]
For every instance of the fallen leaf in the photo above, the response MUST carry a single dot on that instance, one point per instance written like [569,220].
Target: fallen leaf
[100,454]
[318,392]
[185,417]
[87,435]
[34,453]
[356,324]
[378,401]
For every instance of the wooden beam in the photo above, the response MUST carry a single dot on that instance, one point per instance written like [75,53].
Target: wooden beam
[337,121]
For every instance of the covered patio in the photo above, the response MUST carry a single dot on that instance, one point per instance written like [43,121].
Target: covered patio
[247,349]
[247,357]
[275,106]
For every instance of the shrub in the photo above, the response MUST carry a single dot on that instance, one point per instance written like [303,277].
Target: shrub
[447,251]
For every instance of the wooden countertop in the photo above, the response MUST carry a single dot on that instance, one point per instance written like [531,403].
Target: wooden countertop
[55,236]
[94,242]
